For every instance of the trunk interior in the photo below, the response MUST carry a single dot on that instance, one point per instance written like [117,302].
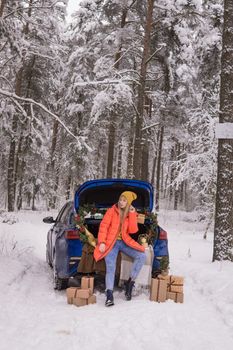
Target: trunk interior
[103,197]
[93,227]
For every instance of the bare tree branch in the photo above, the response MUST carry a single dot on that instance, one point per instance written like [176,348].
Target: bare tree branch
[155,52]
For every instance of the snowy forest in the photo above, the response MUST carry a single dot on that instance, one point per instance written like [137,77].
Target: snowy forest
[122,91]
[116,89]
[125,89]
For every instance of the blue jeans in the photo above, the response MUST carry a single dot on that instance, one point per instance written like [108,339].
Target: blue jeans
[110,259]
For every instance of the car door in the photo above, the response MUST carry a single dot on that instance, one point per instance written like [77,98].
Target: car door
[62,221]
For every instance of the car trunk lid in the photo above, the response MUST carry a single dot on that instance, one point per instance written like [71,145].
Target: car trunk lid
[104,193]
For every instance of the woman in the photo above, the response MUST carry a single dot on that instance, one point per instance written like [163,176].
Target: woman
[114,235]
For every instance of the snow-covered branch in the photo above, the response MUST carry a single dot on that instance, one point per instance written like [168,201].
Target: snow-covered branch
[106,81]
[155,52]
[30,7]
[29,100]
[150,126]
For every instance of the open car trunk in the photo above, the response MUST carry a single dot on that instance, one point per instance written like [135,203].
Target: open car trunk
[93,227]
[102,194]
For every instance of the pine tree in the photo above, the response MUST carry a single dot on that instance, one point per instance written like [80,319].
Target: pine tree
[223,231]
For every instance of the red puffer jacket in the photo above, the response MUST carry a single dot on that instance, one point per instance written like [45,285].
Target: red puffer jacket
[108,231]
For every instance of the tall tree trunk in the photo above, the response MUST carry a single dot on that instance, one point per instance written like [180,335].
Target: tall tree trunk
[162,179]
[112,131]
[145,161]
[186,195]
[2,4]
[182,156]
[68,187]
[157,190]
[12,152]
[24,142]
[137,161]
[130,152]
[223,230]
[111,143]
[153,170]
[54,143]
[26,27]
[177,189]
[12,176]
[172,173]
[119,161]
[53,166]
[155,159]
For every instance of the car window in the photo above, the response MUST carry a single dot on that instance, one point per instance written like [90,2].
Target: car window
[63,216]
[58,218]
[71,219]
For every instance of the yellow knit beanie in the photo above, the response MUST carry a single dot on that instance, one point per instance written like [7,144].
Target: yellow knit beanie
[130,196]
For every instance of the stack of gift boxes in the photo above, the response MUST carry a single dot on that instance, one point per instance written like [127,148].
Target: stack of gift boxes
[84,295]
[167,287]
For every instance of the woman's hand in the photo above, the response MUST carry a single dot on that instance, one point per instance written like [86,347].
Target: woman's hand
[102,247]
[132,209]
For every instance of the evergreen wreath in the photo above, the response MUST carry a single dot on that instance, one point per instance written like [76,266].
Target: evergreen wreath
[79,219]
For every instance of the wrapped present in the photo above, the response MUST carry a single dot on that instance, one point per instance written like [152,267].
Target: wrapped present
[79,296]
[79,302]
[84,301]
[174,283]
[158,291]
[87,282]
[177,297]
[70,293]
[83,293]
[87,262]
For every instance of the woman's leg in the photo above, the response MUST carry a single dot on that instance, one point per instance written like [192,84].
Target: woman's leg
[138,257]
[110,260]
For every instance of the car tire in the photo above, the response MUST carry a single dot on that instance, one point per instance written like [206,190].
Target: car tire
[47,258]
[59,283]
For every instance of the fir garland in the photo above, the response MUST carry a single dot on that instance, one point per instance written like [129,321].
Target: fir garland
[151,222]
[83,211]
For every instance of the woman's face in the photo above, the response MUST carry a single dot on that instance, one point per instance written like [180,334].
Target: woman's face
[122,202]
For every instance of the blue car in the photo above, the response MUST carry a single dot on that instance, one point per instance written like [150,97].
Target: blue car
[64,246]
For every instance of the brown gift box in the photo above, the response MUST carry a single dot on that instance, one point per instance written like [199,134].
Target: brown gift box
[79,302]
[83,293]
[86,301]
[70,293]
[87,282]
[177,297]
[174,283]
[76,292]
[92,299]
[158,291]
[141,218]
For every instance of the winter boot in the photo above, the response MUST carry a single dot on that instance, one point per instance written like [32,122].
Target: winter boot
[128,289]
[109,300]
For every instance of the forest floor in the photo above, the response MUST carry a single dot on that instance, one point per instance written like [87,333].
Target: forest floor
[34,316]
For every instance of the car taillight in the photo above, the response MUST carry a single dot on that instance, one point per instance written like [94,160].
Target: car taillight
[72,234]
[163,234]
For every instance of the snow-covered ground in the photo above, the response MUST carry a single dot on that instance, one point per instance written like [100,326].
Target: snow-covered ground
[34,316]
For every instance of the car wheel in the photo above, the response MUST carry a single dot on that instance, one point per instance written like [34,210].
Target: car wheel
[47,258]
[59,283]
